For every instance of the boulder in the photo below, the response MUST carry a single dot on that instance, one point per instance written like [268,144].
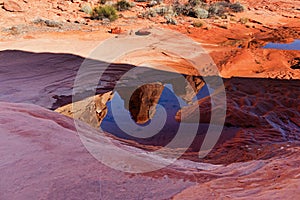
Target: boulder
[116,30]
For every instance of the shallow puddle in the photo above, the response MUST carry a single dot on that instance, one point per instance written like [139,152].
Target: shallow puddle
[161,128]
[284,46]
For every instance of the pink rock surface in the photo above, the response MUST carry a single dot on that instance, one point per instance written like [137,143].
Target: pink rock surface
[42,157]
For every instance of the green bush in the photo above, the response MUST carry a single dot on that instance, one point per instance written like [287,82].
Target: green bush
[102,12]
[122,5]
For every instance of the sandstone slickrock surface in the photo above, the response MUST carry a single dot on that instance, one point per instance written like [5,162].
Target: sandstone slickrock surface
[13,6]
[265,114]
[42,77]
[42,154]
[91,110]
[43,157]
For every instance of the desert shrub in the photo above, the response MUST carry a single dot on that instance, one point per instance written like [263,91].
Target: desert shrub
[194,3]
[217,9]
[122,5]
[161,10]
[198,13]
[199,9]
[223,7]
[149,13]
[152,13]
[102,12]
[164,10]
[236,7]
[224,4]
[170,20]
[179,9]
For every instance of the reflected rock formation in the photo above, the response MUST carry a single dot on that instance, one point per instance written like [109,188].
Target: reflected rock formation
[188,88]
[143,101]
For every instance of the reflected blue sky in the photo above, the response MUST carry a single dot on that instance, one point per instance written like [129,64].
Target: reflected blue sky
[288,46]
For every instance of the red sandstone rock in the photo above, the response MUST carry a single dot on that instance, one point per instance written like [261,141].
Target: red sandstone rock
[116,30]
[13,6]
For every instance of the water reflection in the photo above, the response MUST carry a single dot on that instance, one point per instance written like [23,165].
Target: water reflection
[290,46]
[162,119]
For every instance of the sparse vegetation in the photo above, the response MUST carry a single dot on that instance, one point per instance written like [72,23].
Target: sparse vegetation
[161,10]
[194,3]
[216,10]
[199,9]
[170,20]
[122,5]
[102,12]
[179,8]
[236,7]
[223,7]
[148,14]
[195,8]
[164,10]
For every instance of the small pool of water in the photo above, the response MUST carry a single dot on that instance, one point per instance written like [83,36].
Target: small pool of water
[163,124]
[287,46]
